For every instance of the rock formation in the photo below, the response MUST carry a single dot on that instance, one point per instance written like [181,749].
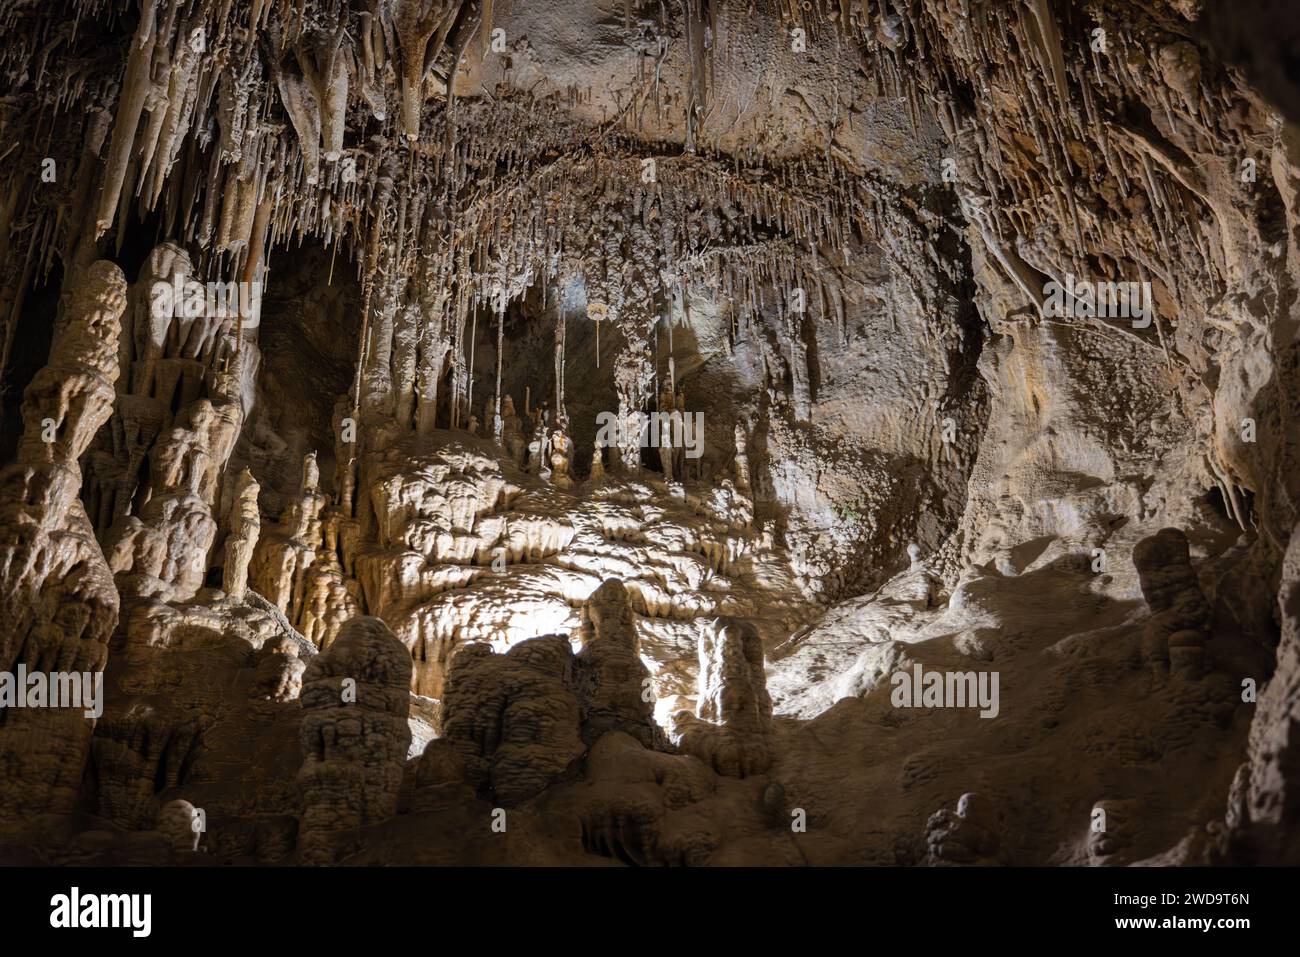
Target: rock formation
[246,522]
[1175,633]
[733,432]
[731,728]
[58,606]
[512,719]
[612,680]
[354,736]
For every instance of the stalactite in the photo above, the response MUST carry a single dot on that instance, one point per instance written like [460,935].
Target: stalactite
[325,69]
[135,86]
[300,102]
[497,421]
[561,333]
[417,24]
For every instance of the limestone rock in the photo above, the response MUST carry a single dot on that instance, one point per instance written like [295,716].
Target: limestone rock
[732,726]
[1271,798]
[180,824]
[243,536]
[354,735]
[967,836]
[612,681]
[58,606]
[1180,615]
[512,718]
[983,318]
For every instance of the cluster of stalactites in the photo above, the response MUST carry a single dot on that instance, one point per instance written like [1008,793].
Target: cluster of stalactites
[196,128]
[634,243]
[1123,105]
[247,126]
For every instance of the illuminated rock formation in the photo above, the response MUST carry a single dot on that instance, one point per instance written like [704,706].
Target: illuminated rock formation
[513,719]
[982,318]
[731,728]
[58,606]
[245,525]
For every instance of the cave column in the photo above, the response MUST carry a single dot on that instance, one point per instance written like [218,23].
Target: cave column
[44,528]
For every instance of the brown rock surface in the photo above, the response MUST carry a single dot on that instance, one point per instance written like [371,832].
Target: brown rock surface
[742,432]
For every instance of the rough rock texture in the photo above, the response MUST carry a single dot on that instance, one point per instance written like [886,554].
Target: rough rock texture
[733,721]
[354,735]
[1265,828]
[512,719]
[57,602]
[246,523]
[641,403]
[967,836]
[612,681]
[1174,634]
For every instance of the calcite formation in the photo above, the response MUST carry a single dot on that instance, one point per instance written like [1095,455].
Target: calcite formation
[354,735]
[613,682]
[57,599]
[733,432]
[1180,615]
[733,721]
[242,539]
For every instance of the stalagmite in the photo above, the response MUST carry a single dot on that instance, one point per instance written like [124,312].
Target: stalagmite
[732,723]
[742,459]
[666,415]
[282,558]
[1175,634]
[354,736]
[512,719]
[498,423]
[245,523]
[609,673]
[58,606]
